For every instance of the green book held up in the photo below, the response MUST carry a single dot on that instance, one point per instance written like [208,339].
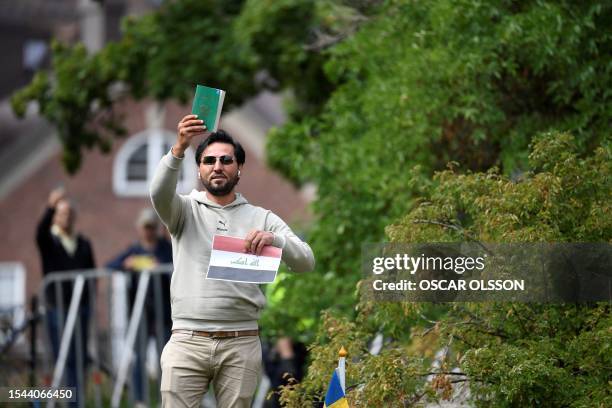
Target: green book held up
[207,104]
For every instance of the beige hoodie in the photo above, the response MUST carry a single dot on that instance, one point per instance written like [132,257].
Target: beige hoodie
[192,220]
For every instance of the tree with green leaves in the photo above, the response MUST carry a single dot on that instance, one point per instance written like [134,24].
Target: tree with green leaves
[510,354]
[424,83]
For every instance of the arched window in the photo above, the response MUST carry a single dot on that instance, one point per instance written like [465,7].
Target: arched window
[137,159]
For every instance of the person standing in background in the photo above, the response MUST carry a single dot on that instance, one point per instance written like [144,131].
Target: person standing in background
[63,249]
[150,250]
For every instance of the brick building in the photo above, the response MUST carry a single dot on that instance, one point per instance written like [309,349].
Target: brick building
[109,190]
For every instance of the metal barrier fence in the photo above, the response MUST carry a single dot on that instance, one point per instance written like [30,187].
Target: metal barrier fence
[72,304]
[96,303]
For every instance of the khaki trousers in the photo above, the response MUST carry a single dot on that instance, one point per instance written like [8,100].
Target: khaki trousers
[191,363]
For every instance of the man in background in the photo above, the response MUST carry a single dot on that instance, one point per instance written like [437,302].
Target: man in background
[150,249]
[62,249]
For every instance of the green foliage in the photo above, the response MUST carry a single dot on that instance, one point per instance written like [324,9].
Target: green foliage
[161,55]
[68,105]
[512,354]
[424,83]
[276,33]
[539,355]
[189,42]
[560,201]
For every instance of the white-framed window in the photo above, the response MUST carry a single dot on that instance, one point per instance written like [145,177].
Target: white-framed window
[138,158]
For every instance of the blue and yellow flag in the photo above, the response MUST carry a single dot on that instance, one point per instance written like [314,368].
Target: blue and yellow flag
[335,396]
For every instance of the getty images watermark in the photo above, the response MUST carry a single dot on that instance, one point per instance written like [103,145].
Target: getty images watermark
[473,271]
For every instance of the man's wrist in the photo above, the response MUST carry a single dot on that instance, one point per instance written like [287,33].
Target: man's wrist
[178,151]
[278,240]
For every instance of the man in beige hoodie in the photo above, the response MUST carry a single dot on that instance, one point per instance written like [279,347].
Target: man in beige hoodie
[215,337]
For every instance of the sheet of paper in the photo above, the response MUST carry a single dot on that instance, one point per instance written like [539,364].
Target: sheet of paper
[229,262]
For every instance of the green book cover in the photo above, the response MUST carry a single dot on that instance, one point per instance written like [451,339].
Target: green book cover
[207,104]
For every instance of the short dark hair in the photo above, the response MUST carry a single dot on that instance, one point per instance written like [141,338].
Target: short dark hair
[221,136]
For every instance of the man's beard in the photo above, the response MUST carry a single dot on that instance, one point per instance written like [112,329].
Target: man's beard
[222,189]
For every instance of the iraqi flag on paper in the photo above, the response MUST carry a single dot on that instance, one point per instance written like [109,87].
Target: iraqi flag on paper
[229,262]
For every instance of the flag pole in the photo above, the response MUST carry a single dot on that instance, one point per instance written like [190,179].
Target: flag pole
[342,367]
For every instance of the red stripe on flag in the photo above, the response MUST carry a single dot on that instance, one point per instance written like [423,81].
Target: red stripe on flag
[231,244]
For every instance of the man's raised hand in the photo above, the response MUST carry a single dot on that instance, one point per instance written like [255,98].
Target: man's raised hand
[188,128]
[56,196]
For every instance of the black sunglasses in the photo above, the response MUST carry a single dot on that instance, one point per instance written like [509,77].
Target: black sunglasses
[225,160]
